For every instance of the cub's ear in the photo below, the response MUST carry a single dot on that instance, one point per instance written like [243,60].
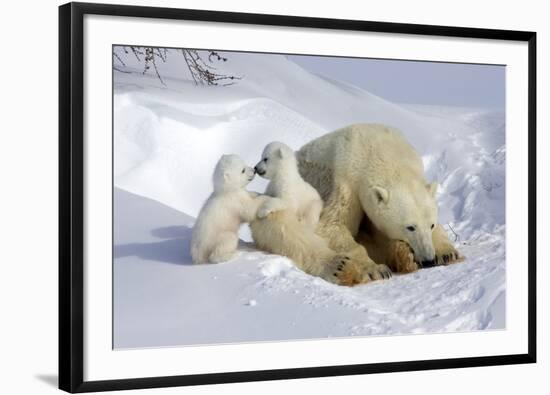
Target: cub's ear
[280,154]
[381,195]
[432,188]
[226,175]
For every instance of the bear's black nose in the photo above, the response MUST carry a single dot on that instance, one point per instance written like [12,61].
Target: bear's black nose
[255,170]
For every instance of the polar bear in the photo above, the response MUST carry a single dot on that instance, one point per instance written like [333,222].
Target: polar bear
[379,209]
[286,186]
[287,223]
[214,236]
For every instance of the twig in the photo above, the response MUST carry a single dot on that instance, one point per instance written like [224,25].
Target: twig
[201,71]
[121,71]
[152,54]
[119,59]
[136,52]
[457,237]
[184,53]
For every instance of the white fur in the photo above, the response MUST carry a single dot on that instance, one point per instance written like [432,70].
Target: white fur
[286,224]
[292,193]
[363,169]
[374,170]
[215,232]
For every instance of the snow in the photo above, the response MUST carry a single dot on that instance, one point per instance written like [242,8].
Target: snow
[167,139]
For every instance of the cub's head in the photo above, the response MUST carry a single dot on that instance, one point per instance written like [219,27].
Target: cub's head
[408,214]
[275,157]
[231,172]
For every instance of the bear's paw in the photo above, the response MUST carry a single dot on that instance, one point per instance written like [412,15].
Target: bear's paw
[447,254]
[342,270]
[401,257]
[373,272]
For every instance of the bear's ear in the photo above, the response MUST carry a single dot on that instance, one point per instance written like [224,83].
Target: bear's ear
[432,188]
[280,154]
[381,195]
[226,175]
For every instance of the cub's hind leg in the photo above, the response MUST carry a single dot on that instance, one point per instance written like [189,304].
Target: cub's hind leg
[225,247]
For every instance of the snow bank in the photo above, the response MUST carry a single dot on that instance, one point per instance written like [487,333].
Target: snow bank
[162,299]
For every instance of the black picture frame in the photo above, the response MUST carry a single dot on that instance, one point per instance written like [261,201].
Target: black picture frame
[71,203]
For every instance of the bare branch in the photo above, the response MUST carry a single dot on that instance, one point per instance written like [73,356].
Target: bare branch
[457,237]
[121,71]
[117,57]
[136,52]
[150,59]
[202,72]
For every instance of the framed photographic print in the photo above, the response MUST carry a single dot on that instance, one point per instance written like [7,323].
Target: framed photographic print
[253,197]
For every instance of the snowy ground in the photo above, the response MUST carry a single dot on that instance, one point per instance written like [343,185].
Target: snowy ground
[167,141]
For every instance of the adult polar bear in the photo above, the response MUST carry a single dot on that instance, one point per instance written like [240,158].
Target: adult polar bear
[379,209]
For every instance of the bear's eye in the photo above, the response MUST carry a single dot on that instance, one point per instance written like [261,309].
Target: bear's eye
[242,171]
[411,228]
[433,226]
[265,159]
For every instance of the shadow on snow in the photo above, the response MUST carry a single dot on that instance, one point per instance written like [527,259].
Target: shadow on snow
[174,249]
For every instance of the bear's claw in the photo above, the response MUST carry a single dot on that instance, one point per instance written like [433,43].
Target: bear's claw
[375,272]
[448,258]
[344,272]
[445,252]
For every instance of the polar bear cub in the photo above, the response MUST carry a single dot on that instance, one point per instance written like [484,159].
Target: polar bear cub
[289,190]
[214,236]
